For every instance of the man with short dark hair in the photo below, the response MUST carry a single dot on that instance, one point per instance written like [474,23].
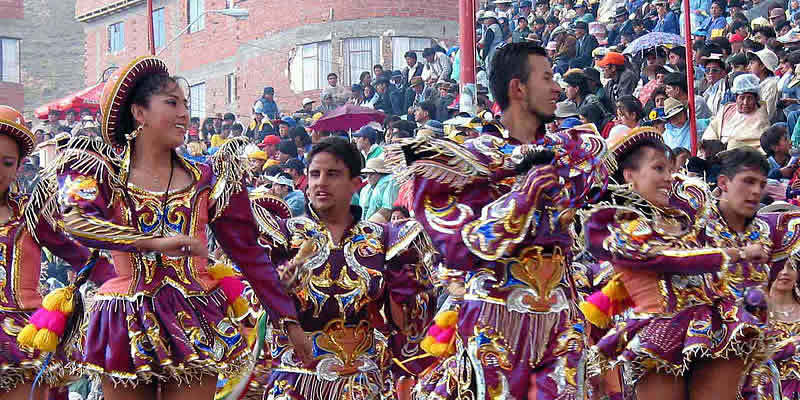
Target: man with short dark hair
[367,142]
[412,69]
[584,46]
[363,289]
[286,149]
[437,64]
[336,93]
[266,104]
[677,88]
[464,212]
[297,170]
[425,112]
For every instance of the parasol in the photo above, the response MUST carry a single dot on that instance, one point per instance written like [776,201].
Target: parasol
[654,39]
[348,117]
[85,99]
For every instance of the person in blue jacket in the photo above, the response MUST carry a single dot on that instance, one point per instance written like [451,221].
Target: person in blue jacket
[667,20]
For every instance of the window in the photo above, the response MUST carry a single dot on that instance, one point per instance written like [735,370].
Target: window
[116,37]
[400,45]
[360,54]
[316,64]
[197,18]
[9,60]
[159,28]
[230,84]
[197,100]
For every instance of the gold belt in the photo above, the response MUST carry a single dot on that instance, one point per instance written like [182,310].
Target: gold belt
[542,270]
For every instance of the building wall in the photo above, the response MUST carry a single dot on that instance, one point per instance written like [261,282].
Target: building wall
[11,26]
[257,50]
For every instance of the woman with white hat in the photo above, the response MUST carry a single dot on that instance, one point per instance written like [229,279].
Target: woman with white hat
[740,123]
[162,322]
[763,64]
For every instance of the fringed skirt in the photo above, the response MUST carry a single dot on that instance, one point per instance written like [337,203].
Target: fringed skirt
[648,343]
[499,352]
[165,338]
[20,365]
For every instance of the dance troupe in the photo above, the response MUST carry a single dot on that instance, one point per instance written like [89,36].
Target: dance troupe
[539,265]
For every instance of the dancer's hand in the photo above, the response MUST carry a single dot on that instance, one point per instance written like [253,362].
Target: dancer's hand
[175,246]
[756,253]
[301,342]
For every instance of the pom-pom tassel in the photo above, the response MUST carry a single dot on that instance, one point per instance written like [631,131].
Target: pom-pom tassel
[48,323]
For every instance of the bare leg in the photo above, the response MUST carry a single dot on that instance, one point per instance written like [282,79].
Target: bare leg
[120,392]
[23,392]
[716,379]
[656,386]
[202,390]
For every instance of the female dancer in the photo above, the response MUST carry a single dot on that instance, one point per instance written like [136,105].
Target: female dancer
[649,230]
[162,321]
[23,233]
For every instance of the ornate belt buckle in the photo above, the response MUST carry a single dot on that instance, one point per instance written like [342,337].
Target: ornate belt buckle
[542,272]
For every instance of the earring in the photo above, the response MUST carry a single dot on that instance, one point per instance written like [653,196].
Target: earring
[135,133]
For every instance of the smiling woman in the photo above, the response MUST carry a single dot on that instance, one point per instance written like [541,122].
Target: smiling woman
[132,194]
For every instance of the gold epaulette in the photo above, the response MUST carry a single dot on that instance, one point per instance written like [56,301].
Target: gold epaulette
[229,166]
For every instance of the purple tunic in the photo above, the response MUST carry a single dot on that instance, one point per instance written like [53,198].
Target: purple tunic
[343,296]
[518,329]
[20,294]
[163,322]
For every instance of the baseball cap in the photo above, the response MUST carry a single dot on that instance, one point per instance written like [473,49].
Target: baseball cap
[307,101]
[270,140]
[367,132]
[612,58]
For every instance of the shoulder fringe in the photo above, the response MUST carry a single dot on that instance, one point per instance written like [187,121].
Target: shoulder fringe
[413,236]
[43,203]
[230,167]
[440,160]
[90,156]
[267,221]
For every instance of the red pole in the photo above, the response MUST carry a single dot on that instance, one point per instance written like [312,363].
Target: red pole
[151,44]
[466,23]
[687,29]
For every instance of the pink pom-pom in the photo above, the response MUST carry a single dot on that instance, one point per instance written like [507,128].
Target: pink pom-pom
[232,287]
[601,301]
[39,318]
[56,322]
[445,335]
[434,330]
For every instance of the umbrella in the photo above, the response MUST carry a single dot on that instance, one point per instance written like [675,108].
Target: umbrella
[654,39]
[88,98]
[348,117]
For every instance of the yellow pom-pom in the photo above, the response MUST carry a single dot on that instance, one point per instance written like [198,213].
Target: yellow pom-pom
[60,300]
[26,335]
[219,271]
[45,340]
[446,319]
[594,315]
[439,349]
[240,307]
[426,343]
[615,289]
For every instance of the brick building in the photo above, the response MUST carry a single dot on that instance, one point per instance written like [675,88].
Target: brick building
[290,45]
[41,52]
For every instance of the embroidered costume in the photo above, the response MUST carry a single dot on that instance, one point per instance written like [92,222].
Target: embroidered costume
[347,294]
[162,318]
[507,232]
[22,239]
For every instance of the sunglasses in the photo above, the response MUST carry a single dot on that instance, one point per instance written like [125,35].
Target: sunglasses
[714,70]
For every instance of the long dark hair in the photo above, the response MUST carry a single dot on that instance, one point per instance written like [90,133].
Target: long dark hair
[140,95]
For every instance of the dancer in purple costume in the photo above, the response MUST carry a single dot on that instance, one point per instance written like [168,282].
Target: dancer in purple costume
[162,320]
[26,226]
[499,208]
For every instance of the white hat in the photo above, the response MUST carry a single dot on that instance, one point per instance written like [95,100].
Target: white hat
[767,57]
[376,165]
[281,180]
[552,45]
[778,206]
[746,83]
[488,14]
[307,101]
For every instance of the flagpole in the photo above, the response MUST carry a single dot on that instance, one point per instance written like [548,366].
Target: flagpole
[690,75]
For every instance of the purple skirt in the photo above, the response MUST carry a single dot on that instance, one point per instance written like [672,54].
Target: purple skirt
[646,343]
[20,365]
[167,338]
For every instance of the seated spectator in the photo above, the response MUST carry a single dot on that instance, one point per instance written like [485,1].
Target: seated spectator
[377,197]
[270,146]
[297,170]
[399,213]
[286,150]
[236,130]
[282,186]
[424,112]
[763,65]
[775,143]
[741,123]
[680,156]
[366,141]
[678,89]
[677,130]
